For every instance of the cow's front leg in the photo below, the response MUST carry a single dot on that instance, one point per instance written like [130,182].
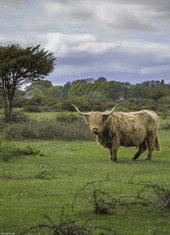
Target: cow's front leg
[113,153]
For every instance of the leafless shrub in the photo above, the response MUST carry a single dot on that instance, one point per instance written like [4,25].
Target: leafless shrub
[102,202]
[48,129]
[149,194]
[66,227]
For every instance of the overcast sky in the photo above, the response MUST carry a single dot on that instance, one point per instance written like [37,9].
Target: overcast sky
[121,40]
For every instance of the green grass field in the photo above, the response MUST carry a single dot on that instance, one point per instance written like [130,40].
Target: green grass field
[51,115]
[32,185]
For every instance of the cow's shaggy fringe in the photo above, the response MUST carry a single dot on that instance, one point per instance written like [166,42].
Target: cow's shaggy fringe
[103,202]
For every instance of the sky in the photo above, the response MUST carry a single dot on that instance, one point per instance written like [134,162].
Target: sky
[121,40]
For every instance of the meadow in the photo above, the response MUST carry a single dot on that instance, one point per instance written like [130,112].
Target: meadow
[63,184]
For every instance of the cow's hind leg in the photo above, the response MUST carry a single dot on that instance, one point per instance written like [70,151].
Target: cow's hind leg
[157,144]
[151,146]
[142,147]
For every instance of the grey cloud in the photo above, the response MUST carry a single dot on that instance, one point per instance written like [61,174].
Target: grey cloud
[118,60]
[68,9]
[155,3]
[81,14]
[158,5]
[129,15]
[67,2]
[161,8]
[111,61]
[24,40]
[125,43]
[130,21]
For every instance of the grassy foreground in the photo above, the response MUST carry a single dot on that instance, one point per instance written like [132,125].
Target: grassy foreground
[33,184]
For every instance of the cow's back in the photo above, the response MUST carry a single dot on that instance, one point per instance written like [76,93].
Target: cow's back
[149,118]
[133,127]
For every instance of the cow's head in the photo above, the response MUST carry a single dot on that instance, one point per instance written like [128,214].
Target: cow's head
[95,119]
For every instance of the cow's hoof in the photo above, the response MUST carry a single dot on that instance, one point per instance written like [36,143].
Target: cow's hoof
[147,158]
[132,159]
[111,161]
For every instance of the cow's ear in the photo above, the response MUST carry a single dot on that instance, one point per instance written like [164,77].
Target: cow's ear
[86,119]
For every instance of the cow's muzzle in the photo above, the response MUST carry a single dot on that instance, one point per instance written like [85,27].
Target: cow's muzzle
[95,131]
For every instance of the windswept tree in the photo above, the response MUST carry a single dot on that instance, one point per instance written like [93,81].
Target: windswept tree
[19,66]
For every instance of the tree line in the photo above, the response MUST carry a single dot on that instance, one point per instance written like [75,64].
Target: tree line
[101,88]
[19,66]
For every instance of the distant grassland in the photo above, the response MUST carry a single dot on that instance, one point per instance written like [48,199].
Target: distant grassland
[48,115]
[51,115]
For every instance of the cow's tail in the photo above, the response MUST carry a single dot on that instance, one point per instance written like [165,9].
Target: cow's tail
[157,144]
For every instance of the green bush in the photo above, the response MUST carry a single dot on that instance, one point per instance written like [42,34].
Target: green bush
[18,116]
[36,101]
[48,129]
[164,100]
[9,150]
[165,126]
[32,108]
[85,104]
[133,104]
[89,103]
[68,117]
[19,102]
[45,109]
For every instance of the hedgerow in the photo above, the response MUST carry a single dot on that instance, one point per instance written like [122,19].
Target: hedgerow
[63,127]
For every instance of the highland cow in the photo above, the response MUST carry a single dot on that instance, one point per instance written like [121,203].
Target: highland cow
[114,129]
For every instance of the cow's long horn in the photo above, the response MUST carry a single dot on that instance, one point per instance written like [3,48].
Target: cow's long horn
[105,114]
[84,114]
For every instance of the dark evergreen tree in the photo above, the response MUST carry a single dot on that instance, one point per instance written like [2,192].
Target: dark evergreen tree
[158,92]
[138,91]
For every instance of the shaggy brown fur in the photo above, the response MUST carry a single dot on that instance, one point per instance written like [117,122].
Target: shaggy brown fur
[126,129]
